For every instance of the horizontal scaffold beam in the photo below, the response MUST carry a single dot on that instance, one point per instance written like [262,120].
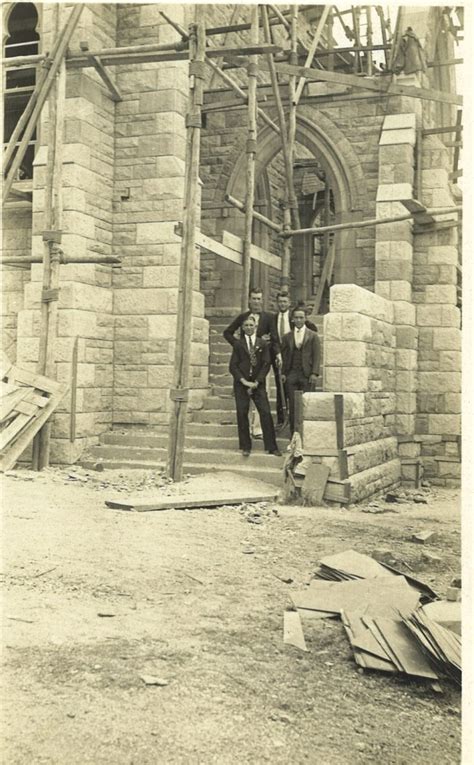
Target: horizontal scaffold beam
[378,84]
[372,221]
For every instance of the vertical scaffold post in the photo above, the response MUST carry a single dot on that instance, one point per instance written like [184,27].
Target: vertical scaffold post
[180,393]
[251,153]
[51,243]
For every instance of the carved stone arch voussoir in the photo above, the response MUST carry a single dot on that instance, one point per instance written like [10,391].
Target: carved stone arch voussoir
[324,140]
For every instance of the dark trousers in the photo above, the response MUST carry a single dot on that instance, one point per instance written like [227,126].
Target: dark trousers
[295,380]
[242,404]
[280,403]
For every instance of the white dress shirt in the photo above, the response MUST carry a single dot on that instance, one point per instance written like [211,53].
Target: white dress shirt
[283,323]
[251,340]
[299,336]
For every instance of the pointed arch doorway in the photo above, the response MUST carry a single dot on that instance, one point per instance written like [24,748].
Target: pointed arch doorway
[330,189]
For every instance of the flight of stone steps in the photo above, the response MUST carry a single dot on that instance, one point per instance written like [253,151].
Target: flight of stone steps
[211,435]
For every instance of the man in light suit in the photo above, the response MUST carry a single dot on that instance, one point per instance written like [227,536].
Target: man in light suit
[249,366]
[300,352]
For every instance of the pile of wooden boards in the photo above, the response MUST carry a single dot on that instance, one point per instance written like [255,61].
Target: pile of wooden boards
[27,401]
[440,644]
[383,617]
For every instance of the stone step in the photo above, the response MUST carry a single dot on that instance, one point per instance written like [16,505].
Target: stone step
[272,476]
[215,458]
[212,430]
[196,440]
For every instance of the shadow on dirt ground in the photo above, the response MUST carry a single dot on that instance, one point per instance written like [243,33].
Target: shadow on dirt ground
[96,598]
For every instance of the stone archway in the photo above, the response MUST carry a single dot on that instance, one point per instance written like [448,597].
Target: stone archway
[327,144]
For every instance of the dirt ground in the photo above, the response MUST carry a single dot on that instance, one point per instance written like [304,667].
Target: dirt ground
[95,598]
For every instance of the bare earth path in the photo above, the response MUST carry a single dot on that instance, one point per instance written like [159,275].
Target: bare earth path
[189,604]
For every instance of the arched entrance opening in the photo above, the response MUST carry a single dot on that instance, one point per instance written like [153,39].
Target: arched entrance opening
[327,192]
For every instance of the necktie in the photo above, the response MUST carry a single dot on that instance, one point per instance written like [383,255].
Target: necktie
[281,326]
[252,354]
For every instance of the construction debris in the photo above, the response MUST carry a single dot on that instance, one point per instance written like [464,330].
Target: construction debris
[381,609]
[423,536]
[293,631]
[142,504]
[27,402]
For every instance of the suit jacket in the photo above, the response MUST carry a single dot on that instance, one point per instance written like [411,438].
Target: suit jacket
[275,316]
[265,326]
[311,352]
[240,361]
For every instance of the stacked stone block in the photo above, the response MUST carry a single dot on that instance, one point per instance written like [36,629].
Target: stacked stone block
[438,421]
[16,242]
[85,301]
[150,138]
[373,464]
[394,272]
[359,363]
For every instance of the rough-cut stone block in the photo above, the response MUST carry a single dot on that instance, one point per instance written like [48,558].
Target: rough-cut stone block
[355,379]
[404,424]
[409,449]
[156,233]
[375,479]
[429,315]
[441,293]
[141,301]
[444,423]
[393,270]
[344,353]
[405,359]
[320,406]
[161,276]
[364,456]
[399,122]
[404,136]
[356,327]
[439,382]
[407,337]
[394,250]
[320,434]
[162,327]
[332,323]
[404,313]
[442,255]
[395,232]
[392,192]
[446,339]
[349,298]
[437,178]
[406,403]
[453,403]
[450,360]
[332,379]
[400,290]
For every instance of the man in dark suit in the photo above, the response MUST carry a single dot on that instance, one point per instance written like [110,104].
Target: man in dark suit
[281,327]
[300,355]
[265,330]
[249,366]
[264,321]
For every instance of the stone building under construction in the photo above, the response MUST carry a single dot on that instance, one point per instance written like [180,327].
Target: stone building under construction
[377,136]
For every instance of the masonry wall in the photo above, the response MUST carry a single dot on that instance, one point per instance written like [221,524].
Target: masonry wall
[359,363]
[84,347]
[16,235]
[148,202]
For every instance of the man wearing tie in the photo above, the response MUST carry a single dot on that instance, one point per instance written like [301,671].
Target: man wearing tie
[281,327]
[249,366]
[300,355]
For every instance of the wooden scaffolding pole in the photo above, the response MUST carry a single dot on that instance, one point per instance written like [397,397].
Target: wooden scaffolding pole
[41,96]
[180,394]
[288,243]
[371,222]
[251,149]
[312,50]
[51,242]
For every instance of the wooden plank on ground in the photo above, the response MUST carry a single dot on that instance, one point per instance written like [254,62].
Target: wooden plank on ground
[141,504]
[314,483]
[5,365]
[293,631]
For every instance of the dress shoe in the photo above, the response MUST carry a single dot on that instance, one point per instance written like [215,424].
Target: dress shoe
[245,454]
[276,453]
